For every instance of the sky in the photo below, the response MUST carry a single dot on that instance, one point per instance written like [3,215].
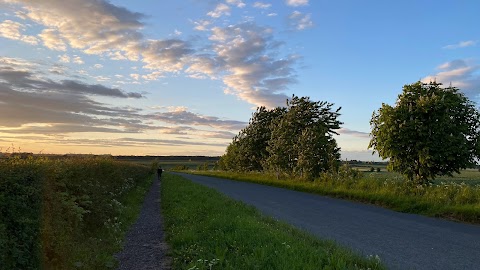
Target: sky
[183,77]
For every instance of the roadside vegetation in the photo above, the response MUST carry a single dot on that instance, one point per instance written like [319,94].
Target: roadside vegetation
[431,133]
[68,213]
[450,200]
[207,230]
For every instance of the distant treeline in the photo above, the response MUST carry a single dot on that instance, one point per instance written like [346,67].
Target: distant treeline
[170,158]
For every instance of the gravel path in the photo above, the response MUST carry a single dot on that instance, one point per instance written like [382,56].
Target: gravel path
[403,241]
[145,246]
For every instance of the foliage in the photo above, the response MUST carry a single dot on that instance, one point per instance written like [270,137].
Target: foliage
[296,140]
[20,206]
[302,143]
[430,131]
[220,233]
[180,168]
[203,167]
[248,150]
[54,211]
[457,201]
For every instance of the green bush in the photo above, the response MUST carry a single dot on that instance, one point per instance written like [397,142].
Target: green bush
[203,167]
[20,207]
[180,168]
[52,209]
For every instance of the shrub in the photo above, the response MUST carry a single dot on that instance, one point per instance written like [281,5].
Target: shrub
[180,168]
[49,208]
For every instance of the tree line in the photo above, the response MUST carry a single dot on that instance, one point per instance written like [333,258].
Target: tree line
[430,131]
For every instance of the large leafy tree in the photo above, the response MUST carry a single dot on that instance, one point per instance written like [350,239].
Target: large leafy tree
[294,140]
[248,150]
[302,141]
[430,131]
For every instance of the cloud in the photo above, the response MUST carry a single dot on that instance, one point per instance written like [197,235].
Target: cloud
[220,10]
[12,30]
[184,117]
[459,73]
[64,58]
[218,135]
[77,60]
[300,21]
[116,142]
[461,44]
[206,134]
[261,5]
[94,26]
[58,69]
[99,27]
[355,133]
[135,76]
[16,63]
[237,3]
[98,66]
[202,25]
[204,64]
[246,55]
[54,129]
[28,81]
[153,76]
[296,3]
[52,40]
[177,33]
[36,105]
[166,55]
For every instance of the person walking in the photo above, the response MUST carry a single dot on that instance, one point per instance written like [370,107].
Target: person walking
[159,172]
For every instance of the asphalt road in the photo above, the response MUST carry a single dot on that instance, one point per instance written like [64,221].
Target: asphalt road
[402,241]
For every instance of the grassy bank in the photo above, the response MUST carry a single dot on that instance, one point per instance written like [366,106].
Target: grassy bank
[454,201]
[67,213]
[207,230]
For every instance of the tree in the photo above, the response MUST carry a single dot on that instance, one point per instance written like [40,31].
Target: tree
[430,131]
[248,151]
[302,141]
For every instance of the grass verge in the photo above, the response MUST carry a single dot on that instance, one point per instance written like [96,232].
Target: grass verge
[459,202]
[96,252]
[207,230]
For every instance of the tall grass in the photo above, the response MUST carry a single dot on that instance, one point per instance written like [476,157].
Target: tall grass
[66,213]
[207,230]
[456,201]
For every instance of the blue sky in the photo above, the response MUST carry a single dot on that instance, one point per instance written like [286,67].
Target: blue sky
[183,77]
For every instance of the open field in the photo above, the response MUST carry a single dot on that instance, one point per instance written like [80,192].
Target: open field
[67,213]
[207,230]
[451,200]
[169,162]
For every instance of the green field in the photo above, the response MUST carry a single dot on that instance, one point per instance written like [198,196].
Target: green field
[170,162]
[207,230]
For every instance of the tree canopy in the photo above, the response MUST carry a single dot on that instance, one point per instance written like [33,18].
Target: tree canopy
[430,131]
[296,140]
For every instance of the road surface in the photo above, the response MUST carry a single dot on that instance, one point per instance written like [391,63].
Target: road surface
[402,241]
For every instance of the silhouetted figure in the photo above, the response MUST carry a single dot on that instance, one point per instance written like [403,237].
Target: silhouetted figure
[159,172]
